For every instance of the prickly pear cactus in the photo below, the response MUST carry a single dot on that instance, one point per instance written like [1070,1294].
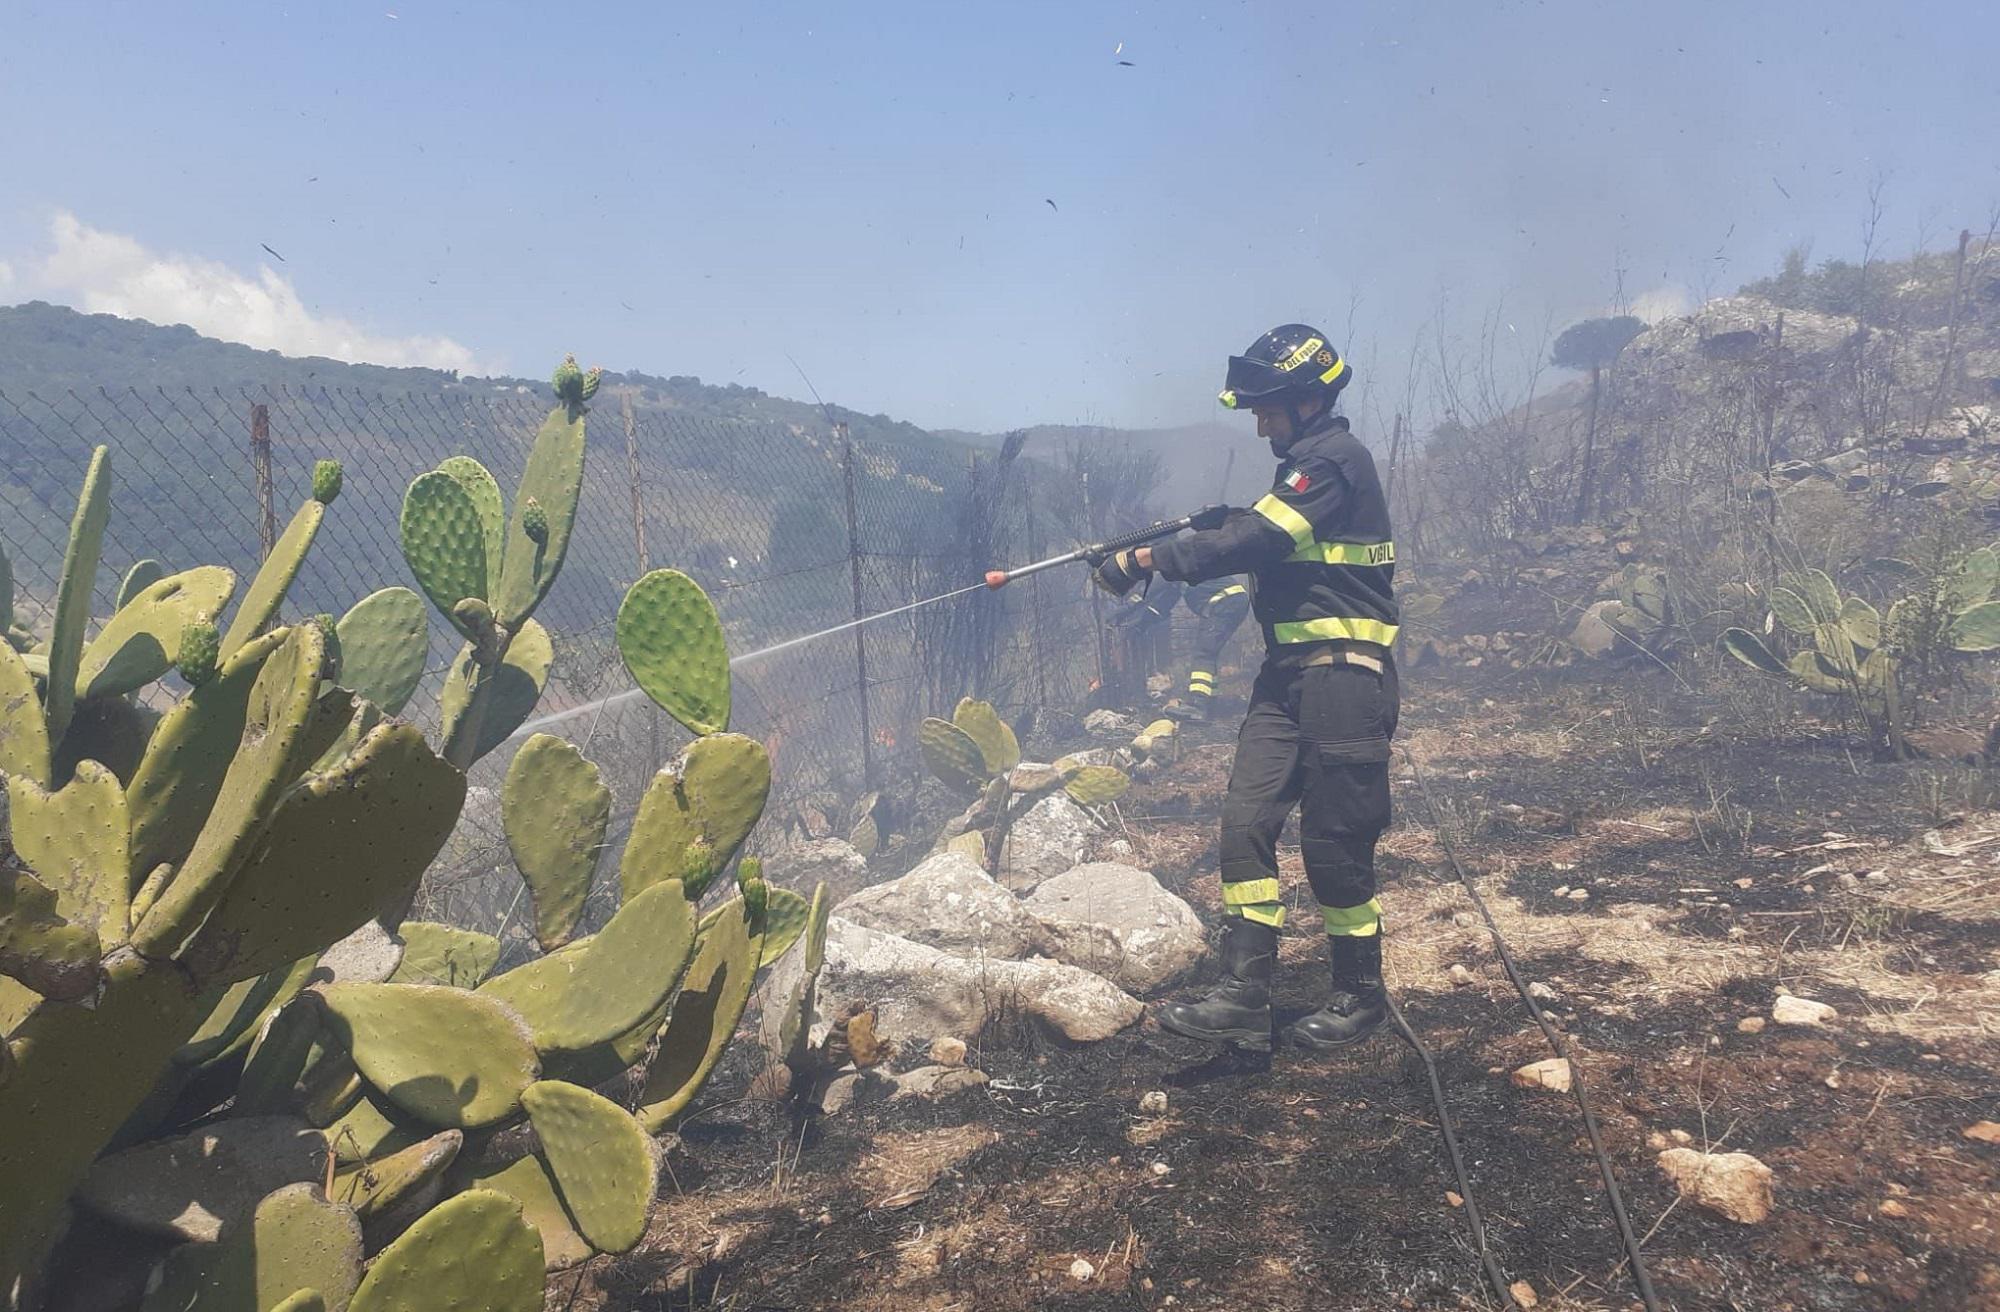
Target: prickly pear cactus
[24,733]
[696,813]
[326,481]
[550,483]
[472,1251]
[511,692]
[554,808]
[143,640]
[712,998]
[953,756]
[297,1240]
[1094,785]
[480,485]
[604,1163]
[785,918]
[383,643]
[274,579]
[671,639]
[998,747]
[446,1056]
[444,541]
[79,575]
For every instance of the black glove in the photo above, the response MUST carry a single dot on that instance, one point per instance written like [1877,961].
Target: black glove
[1119,574]
[1208,517]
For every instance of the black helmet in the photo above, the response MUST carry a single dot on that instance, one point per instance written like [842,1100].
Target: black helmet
[1286,366]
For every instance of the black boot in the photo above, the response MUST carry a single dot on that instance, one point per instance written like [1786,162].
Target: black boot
[1359,1003]
[1190,708]
[1237,1010]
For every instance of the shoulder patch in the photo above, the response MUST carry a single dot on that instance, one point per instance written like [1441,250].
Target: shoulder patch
[1298,480]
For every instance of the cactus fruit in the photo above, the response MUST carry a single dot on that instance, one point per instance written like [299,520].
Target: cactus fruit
[74,839]
[446,1056]
[274,579]
[997,744]
[515,686]
[142,640]
[199,655]
[1094,785]
[297,1241]
[527,1182]
[374,1187]
[671,639]
[445,954]
[24,734]
[591,380]
[696,813]
[79,576]
[552,481]
[143,574]
[604,1163]
[444,541]
[338,850]
[713,994]
[471,1252]
[38,945]
[606,983]
[568,382]
[952,755]
[785,917]
[535,522]
[554,808]
[382,648]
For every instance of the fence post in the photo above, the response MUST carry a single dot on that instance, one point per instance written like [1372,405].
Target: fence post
[260,459]
[854,577]
[639,546]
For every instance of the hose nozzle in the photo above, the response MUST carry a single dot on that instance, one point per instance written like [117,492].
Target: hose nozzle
[996,578]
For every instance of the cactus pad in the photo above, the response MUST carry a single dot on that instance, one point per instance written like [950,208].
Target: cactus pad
[785,917]
[444,541]
[373,1188]
[38,946]
[75,840]
[306,1300]
[711,1001]
[551,481]
[297,1241]
[79,576]
[143,574]
[143,640]
[340,848]
[952,755]
[696,813]
[382,647]
[24,734]
[1862,623]
[368,1129]
[554,808]
[528,1183]
[671,639]
[485,493]
[1791,611]
[274,579]
[1973,581]
[277,1059]
[446,1056]
[604,1163]
[607,983]
[1094,785]
[1976,628]
[1750,649]
[471,1253]
[239,1010]
[517,686]
[997,744]
[445,954]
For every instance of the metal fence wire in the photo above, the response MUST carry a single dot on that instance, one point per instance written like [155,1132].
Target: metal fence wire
[789,530]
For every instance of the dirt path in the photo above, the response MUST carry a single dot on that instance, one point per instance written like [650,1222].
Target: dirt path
[1716,866]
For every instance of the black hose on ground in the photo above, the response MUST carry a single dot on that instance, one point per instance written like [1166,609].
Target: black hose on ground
[1613,1194]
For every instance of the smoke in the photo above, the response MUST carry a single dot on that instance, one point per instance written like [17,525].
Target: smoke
[109,273]
[1667,301]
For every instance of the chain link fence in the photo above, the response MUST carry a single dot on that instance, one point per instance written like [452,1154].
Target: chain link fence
[789,530]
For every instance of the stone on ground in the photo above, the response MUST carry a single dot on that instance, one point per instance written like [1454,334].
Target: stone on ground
[1118,922]
[947,902]
[1047,839]
[1551,1073]
[1792,1010]
[1733,1185]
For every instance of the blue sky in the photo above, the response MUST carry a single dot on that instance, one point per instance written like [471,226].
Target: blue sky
[704,189]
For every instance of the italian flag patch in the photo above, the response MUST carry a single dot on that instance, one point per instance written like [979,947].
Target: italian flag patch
[1297,480]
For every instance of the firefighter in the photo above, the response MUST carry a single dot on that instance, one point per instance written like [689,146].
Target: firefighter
[1321,564]
[1218,606]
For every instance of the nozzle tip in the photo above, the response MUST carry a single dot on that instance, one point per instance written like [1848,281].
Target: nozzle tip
[996,578]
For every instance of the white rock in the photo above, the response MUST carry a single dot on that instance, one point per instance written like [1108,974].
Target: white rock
[1161,1168]
[1110,724]
[1154,1103]
[1081,1270]
[1048,838]
[1541,992]
[1461,976]
[1793,1010]
[1551,1073]
[803,866]
[1118,922]
[1734,1185]
[921,992]
[367,956]
[936,1081]
[948,902]
[948,1051]
[1750,1025]
[854,1088]
[1593,635]
[1579,895]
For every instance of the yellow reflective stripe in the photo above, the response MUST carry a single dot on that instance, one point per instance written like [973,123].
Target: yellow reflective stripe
[1291,521]
[1300,356]
[1264,913]
[1363,921]
[1209,675]
[1335,627]
[1232,590]
[1347,553]
[1339,368]
[1245,891]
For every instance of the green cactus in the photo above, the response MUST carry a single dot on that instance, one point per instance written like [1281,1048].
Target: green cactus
[604,1163]
[376,1187]
[551,482]
[480,485]
[326,481]
[1747,647]
[606,983]
[239,1011]
[482,709]
[713,994]
[696,813]
[143,574]
[953,756]
[1976,628]
[79,576]
[554,808]
[277,1058]
[382,648]
[274,579]
[526,1182]
[1094,785]
[998,747]
[443,954]
[568,382]
[446,1056]
[305,1300]
[471,1251]
[74,840]
[298,1242]
[785,918]
[24,733]
[199,655]
[444,542]
[369,1129]
[330,1087]
[39,946]
[671,640]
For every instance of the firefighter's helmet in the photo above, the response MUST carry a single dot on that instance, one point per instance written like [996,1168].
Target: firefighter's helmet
[1287,366]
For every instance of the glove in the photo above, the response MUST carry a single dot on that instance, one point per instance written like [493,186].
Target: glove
[1119,574]
[1208,517]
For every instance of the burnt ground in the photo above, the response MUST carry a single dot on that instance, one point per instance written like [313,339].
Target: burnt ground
[1727,847]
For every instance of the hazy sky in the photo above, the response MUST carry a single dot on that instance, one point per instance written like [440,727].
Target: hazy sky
[702,189]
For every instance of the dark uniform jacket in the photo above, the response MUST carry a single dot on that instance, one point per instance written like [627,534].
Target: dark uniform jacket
[1317,548]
